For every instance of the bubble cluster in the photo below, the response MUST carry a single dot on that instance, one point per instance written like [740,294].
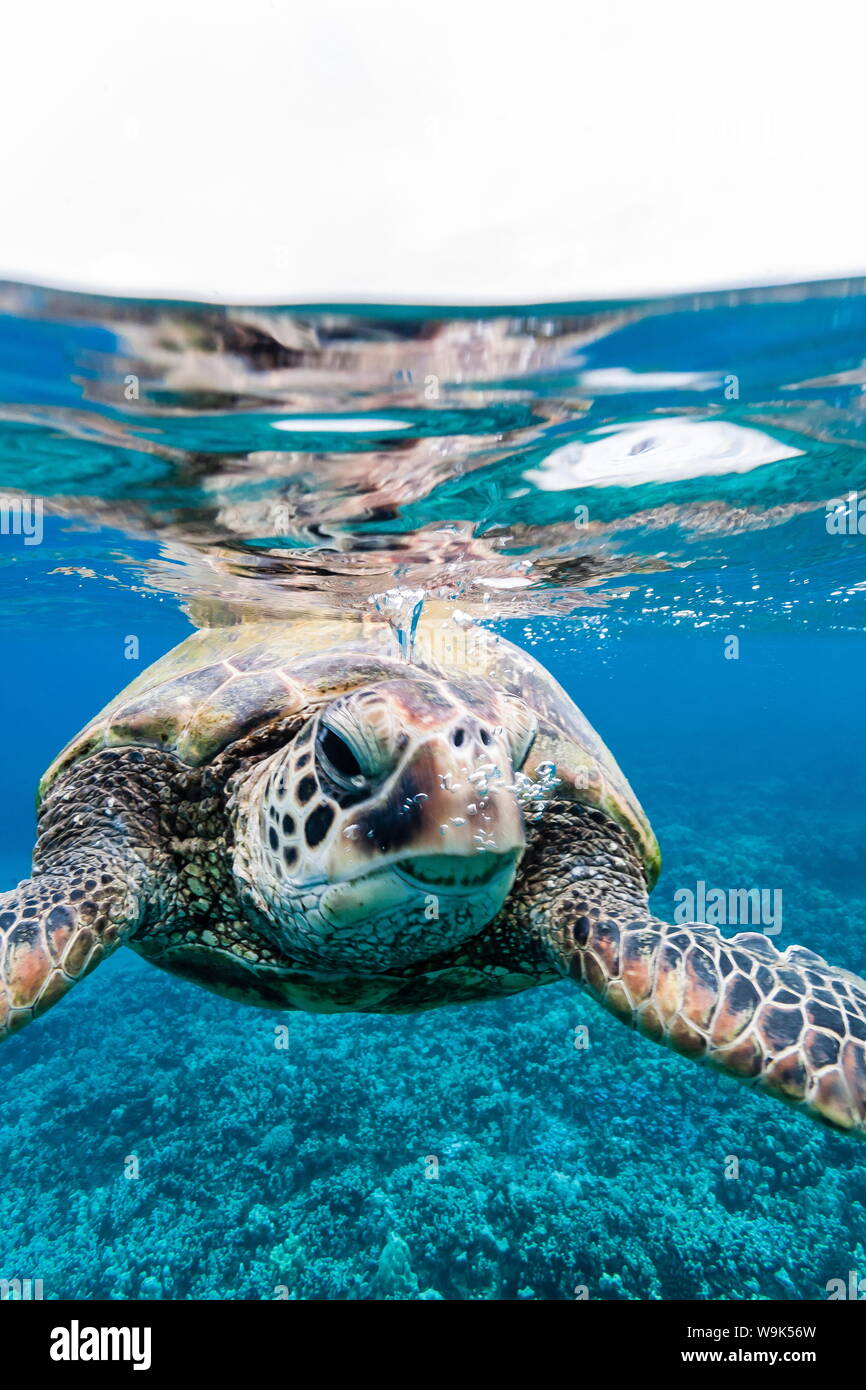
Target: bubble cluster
[533,793]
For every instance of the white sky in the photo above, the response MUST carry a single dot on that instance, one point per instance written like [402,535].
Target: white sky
[431,151]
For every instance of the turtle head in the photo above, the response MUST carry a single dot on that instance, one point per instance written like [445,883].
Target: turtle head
[388,829]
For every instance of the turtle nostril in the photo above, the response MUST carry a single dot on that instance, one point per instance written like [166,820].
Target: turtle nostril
[485,737]
[457,737]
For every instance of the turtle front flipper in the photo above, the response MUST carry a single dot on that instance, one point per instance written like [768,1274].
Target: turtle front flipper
[99,839]
[786,1022]
[54,929]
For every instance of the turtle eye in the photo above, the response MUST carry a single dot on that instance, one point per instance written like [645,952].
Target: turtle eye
[338,757]
[356,742]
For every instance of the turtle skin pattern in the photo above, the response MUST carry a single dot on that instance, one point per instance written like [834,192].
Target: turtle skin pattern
[83,896]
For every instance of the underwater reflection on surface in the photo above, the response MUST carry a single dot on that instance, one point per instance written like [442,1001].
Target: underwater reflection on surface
[523,462]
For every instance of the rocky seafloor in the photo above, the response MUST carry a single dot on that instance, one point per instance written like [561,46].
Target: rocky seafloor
[306,1171]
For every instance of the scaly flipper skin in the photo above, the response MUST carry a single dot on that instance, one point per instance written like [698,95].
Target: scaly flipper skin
[54,930]
[786,1022]
[84,895]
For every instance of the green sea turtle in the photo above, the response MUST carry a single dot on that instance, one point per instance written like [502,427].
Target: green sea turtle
[296,816]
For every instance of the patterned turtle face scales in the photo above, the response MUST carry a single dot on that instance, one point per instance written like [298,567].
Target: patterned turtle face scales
[388,830]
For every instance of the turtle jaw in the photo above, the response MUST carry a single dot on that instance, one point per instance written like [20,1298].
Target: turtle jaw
[455,873]
[402,913]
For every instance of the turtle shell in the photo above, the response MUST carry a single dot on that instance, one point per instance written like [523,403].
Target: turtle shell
[223,682]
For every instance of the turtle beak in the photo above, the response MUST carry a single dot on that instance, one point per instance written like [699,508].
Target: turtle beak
[470,804]
[454,798]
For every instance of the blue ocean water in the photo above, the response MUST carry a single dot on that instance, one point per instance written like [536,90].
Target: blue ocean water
[659,500]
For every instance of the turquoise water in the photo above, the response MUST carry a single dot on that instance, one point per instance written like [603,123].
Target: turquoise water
[660,500]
